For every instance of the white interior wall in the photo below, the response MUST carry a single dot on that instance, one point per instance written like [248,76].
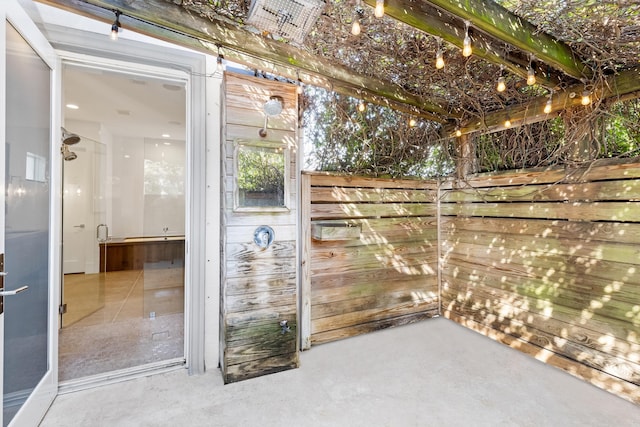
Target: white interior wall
[164,205]
[129,212]
[126,163]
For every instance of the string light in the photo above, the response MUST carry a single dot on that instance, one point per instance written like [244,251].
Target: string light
[412,122]
[466,44]
[379,10]
[219,64]
[355,28]
[357,14]
[439,60]
[586,98]
[458,132]
[299,89]
[439,57]
[531,75]
[361,106]
[548,106]
[502,85]
[507,121]
[116,26]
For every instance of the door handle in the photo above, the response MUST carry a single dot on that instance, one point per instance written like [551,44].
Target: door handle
[4,293]
[79,226]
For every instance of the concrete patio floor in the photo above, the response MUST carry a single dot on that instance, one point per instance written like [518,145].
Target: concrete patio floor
[433,373]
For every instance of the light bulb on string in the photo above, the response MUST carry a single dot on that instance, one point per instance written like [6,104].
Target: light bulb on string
[586,98]
[412,122]
[355,27]
[115,28]
[439,59]
[299,88]
[439,55]
[361,107]
[549,105]
[379,10]
[466,44]
[458,132]
[531,75]
[502,85]
[219,63]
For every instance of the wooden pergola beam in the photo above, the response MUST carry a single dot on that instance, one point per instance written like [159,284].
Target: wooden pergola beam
[431,20]
[623,85]
[164,20]
[498,22]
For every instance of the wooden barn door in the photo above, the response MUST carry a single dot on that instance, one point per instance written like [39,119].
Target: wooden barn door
[259,231]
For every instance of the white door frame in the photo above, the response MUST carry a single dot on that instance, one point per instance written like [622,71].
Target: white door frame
[133,56]
[41,397]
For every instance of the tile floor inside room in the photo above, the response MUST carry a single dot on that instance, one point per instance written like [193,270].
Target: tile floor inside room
[121,319]
[432,373]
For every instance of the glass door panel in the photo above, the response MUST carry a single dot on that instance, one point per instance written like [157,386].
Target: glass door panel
[27,219]
[163,210]
[83,217]
[134,180]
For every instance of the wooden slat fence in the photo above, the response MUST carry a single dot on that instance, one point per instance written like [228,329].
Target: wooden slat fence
[385,276]
[549,263]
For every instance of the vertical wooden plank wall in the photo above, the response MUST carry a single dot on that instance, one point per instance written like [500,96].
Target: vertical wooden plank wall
[258,286]
[549,262]
[385,276]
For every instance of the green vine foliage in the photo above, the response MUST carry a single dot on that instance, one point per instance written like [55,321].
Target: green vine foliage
[534,145]
[377,141]
[612,130]
[619,130]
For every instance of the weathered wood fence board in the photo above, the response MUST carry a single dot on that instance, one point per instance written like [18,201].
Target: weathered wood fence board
[602,170]
[606,190]
[371,210]
[371,195]
[259,287]
[548,261]
[385,277]
[558,229]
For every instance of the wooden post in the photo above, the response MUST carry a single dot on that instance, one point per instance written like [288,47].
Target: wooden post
[305,264]
[466,162]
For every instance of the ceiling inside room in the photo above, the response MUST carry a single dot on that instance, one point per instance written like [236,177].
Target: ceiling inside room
[126,104]
[571,45]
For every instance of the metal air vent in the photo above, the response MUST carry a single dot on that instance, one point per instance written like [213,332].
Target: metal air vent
[289,19]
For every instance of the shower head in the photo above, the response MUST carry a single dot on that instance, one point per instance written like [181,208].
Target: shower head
[69,138]
[272,108]
[67,154]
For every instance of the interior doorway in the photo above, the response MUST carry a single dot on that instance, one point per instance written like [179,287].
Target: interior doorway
[124,171]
